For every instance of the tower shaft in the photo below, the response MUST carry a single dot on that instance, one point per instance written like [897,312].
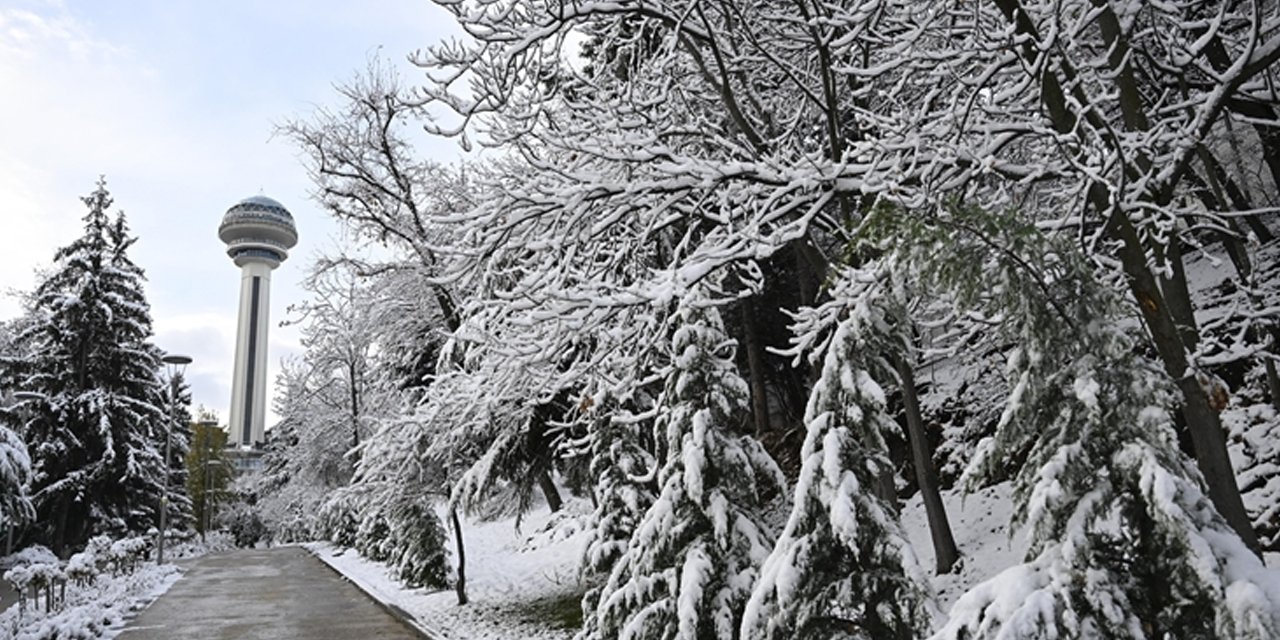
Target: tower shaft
[249,381]
[258,232]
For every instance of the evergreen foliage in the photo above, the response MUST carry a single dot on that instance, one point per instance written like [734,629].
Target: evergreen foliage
[209,470]
[1123,540]
[842,566]
[688,569]
[182,511]
[16,509]
[95,417]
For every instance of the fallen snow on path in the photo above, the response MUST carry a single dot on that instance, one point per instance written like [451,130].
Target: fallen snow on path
[522,584]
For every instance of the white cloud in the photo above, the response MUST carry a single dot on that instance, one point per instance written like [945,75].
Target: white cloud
[175,103]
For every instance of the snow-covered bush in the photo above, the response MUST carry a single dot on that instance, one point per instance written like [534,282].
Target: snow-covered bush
[211,542]
[244,523]
[416,547]
[391,526]
[127,554]
[28,570]
[36,579]
[338,520]
[82,568]
[87,612]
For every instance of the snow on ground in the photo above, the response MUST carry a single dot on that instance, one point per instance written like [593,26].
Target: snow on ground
[94,611]
[980,525]
[522,584]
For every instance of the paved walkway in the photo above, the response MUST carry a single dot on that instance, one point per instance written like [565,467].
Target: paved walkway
[264,594]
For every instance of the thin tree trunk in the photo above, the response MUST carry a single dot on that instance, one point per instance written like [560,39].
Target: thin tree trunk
[1244,266]
[355,404]
[461,586]
[944,544]
[755,364]
[549,490]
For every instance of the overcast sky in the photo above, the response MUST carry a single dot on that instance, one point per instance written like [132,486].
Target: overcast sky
[175,103]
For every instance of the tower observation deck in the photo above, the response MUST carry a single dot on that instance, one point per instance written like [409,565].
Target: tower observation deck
[258,232]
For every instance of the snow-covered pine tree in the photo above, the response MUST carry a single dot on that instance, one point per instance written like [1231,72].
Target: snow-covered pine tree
[843,566]
[15,477]
[182,513]
[1124,542]
[92,375]
[622,469]
[689,566]
[15,463]
[142,418]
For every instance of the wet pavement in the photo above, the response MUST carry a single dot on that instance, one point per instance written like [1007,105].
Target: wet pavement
[264,594]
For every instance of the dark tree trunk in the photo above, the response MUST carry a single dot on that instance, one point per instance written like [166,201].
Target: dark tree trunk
[755,364]
[461,586]
[1178,296]
[355,404]
[549,490]
[944,544]
[1202,421]
[1240,259]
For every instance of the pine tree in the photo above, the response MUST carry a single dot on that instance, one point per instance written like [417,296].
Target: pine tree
[689,566]
[15,477]
[623,473]
[15,463]
[92,370]
[843,566]
[182,511]
[1124,542]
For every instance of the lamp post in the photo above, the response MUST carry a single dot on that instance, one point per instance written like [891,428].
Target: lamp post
[176,365]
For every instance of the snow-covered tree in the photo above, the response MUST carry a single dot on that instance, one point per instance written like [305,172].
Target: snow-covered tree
[93,399]
[622,468]
[182,514]
[209,470]
[842,566]
[15,478]
[688,569]
[15,463]
[1124,542]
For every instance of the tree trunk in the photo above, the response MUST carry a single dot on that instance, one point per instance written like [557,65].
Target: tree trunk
[355,403]
[549,490]
[944,544]
[1205,427]
[755,364]
[461,586]
[1178,296]
[1240,259]
[1202,422]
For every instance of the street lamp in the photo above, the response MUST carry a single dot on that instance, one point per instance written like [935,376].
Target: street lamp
[176,365]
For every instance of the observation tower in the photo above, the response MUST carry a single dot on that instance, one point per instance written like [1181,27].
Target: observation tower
[258,232]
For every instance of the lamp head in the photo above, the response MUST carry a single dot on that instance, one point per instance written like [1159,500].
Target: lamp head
[176,363]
